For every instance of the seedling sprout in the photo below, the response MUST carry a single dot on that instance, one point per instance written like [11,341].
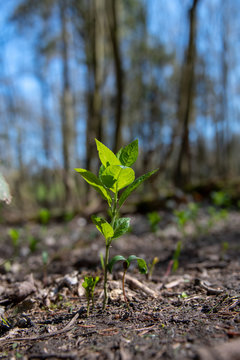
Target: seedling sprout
[142,267]
[115,174]
[89,286]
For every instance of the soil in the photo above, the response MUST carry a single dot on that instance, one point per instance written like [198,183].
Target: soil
[192,313]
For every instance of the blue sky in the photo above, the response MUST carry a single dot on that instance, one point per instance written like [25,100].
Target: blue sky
[16,59]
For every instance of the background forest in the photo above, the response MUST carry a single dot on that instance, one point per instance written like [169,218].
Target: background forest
[165,72]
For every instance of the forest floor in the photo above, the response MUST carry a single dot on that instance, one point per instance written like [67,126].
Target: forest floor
[193,313]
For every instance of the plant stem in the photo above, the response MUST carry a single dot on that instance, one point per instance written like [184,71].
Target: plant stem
[88,306]
[92,297]
[114,209]
[105,274]
[108,243]
[123,286]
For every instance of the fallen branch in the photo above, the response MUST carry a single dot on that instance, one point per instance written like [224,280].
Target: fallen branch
[210,290]
[136,284]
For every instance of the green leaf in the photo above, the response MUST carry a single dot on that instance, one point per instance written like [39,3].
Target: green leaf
[134,186]
[92,180]
[4,191]
[116,177]
[90,282]
[106,156]
[103,226]
[115,259]
[121,227]
[14,234]
[128,155]
[142,266]
[101,169]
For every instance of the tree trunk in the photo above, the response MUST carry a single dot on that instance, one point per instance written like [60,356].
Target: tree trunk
[224,154]
[67,113]
[113,26]
[186,97]
[94,47]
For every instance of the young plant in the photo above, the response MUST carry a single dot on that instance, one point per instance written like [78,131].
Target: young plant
[176,255]
[215,216]
[182,220]
[154,219]
[44,216]
[32,243]
[14,235]
[115,174]
[89,286]
[221,199]
[151,267]
[142,267]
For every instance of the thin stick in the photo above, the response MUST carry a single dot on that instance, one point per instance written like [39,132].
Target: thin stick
[123,287]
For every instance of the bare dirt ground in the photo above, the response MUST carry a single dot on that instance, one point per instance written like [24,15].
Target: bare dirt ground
[193,313]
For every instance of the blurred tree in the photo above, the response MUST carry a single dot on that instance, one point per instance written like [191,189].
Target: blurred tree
[53,45]
[186,97]
[112,13]
[90,27]
[67,104]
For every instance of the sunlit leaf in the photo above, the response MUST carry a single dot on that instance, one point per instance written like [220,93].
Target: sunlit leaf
[103,226]
[128,155]
[121,227]
[92,180]
[106,156]
[90,282]
[116,177]
[134,186]
[113,261]
[142,266]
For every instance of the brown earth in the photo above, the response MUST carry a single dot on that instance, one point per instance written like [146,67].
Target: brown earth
[193,313]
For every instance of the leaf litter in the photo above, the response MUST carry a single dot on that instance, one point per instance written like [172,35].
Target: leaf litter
[193,313]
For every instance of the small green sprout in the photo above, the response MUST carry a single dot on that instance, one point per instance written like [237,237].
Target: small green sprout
[114,175]
[220,199]
[142,267]
[44,216]
[14,235]
[151,267]
[89,286]
[154,218]
[7,265]
[5,325]
[45,258]
[176,256]
[182,219]
[193,211]
[183,295]
[32,243]
[216,215]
